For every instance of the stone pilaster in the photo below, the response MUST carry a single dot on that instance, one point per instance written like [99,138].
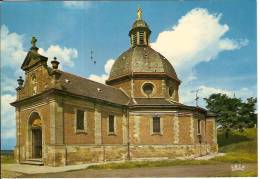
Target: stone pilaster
[125,129]
[56,123]
[137,128]
[192,129]
[214,132]
[175,129]
[52,122]
[18,134]
[98,134]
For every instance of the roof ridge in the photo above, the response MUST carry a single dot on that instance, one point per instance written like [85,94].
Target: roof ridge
[95,82]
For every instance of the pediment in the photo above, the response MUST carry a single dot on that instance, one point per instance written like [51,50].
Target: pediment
[32,59]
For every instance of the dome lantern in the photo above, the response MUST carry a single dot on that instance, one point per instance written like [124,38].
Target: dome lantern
[140,32]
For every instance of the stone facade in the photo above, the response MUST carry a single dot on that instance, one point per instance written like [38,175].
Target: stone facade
[50,100]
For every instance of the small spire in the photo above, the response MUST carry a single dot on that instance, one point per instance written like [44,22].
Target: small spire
[139,13]
[33,42]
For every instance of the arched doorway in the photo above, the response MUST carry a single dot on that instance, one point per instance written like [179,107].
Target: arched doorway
[35,123]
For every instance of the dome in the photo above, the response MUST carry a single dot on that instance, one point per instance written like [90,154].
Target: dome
[140,23]
[141,59]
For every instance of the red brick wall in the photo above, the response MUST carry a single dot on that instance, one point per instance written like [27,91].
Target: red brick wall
[184,130]
[111,139]
[71,137]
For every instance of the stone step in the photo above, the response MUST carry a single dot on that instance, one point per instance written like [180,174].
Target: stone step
[33,162]
[35,159]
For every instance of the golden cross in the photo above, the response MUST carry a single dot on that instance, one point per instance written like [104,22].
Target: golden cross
[33,42]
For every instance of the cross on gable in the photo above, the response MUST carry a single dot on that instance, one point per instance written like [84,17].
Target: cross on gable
[33,42]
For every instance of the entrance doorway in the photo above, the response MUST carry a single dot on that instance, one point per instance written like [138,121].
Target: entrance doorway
[36,142]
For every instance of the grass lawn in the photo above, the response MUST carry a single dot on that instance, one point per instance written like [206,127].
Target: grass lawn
[238,152]
[7,158]
[239,148]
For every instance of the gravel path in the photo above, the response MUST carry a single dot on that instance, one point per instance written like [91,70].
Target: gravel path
[172,171]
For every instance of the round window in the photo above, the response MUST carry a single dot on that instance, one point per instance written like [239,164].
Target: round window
[148,88]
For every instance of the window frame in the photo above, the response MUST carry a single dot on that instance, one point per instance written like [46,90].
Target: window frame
[152,131]
[199,127]
[114,124]
[144,91]
[77,130]
[156,124]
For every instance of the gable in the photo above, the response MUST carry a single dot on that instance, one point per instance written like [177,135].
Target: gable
[32,59]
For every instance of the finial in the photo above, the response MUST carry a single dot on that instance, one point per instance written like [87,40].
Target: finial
[33,42]
[20,83]
[55,63]
[139,13]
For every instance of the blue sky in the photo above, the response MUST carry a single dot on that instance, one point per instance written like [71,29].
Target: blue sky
[221,59]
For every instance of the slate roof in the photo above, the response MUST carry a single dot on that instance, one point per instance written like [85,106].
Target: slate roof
[88,88]
[141,59]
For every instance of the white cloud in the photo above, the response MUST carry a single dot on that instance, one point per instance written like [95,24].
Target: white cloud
[188,95]
[76,4]
[12,56]
[102,78]
[7,116]
[12,50]
[198,37]
[64,55]
[13,53]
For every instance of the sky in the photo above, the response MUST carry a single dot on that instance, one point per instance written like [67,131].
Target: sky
[210,43]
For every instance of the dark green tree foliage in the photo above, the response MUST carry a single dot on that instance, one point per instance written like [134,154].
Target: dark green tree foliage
[232,113]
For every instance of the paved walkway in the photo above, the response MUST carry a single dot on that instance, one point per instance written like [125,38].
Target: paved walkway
[32,169]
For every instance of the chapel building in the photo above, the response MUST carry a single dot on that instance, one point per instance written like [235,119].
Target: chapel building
[64,119]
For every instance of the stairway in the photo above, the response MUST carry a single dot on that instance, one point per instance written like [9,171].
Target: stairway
[36,161]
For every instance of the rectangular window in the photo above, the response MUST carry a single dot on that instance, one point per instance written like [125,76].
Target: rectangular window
[80,120]
[141,38]
[198,126]
[111,124]
[156,125]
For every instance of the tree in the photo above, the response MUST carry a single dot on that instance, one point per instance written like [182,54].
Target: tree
[232,113]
